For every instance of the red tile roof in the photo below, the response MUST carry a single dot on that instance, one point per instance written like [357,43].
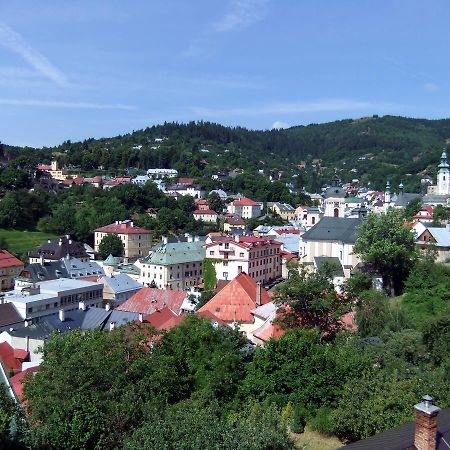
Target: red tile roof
[244,201]
[125,227]
[8,260]
[235,221]
[163,319]
[236,300]
[268,330]
[209,315]
[185,181]
[148,300]
[205,211]
[17,383]
[11,360]
[44,167]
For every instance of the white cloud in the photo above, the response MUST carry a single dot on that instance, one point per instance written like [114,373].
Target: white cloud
[242,14]
[14,42]
[289,108]
[431,87]
[278,125]
[62,104]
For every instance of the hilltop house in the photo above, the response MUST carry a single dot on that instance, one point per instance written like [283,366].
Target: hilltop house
[245,208]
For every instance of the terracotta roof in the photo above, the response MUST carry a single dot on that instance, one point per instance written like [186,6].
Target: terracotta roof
[209,315]
[44,167]
[268,330]
[244,201]
[205,211]
[185,181]
[8,260]
[235,221]
[149,300]
[236,300]
[17,383]
[11,360]
[201,201]
[125,227]
[163,319]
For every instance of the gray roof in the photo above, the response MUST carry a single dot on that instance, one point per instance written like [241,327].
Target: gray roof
[335,192]
[290,242]
[441,236]
[332,261]
[58,248]
[402,438]
[121,283]
[176,253]
[9,315]
[342,229]
[121,317]
[74,320]
[403,198]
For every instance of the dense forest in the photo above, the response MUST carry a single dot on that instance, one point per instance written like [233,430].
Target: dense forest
[371,149]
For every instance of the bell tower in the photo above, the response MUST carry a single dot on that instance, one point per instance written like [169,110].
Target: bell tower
[443,182]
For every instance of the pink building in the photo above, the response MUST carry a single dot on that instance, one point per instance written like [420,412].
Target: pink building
[258,257]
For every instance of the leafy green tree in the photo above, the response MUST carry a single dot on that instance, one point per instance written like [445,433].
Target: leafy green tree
[310,300]
[441,215]
[111,244]
[356,284]
[385,243]
[413,207]
[12,422]
[215,202]
[186,203]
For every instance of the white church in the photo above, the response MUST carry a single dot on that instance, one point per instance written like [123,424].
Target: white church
[439,194]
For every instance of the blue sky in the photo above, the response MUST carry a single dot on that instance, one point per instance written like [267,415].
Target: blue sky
[80,69]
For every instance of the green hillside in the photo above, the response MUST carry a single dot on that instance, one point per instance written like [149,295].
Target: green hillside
[371,149]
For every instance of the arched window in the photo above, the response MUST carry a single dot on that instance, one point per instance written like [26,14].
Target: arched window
[336,212]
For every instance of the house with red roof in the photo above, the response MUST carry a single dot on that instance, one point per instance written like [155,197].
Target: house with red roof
[202,204]
[10,267]
[425,214]
[244,208]
[265,327]
[259,257]
[205,215]
[149,300]
[233,223]
[163,319]
[236,301]
[136,240]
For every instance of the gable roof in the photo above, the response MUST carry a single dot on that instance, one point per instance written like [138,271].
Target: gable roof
[59,248]
[236,300]
[148,300]
[120,283]
[122,227]
[341,229]
[11,358]
[441,236]
[244,201]
[8,260]
[402,438]
[9,315]
[163,319]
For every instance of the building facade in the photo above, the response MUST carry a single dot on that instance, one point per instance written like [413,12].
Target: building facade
[136,240]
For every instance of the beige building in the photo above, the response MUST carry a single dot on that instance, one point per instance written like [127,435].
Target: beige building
[331,237]
[10,267]
[174,265]
[54,170]
[136,240]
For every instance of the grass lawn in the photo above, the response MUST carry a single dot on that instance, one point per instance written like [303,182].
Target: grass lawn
[23,241]
[311,440]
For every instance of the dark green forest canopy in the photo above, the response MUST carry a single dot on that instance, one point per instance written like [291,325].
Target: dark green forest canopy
[371,149]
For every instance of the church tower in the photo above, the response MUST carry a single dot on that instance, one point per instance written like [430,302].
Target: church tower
[443,182]
[387,194]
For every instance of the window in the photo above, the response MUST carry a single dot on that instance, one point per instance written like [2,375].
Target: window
[239,269]
[225,275]
[225,263]
[211,252]
[227,245]
[241,255]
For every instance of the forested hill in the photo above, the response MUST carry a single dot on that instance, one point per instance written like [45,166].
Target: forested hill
[371,149]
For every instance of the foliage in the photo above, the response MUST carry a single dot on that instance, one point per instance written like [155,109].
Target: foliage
[191,426]
[322,421]
[209,275]
[427,293]
[356,284]
[300,369]
[215,202]
[310,300]
[299,420]
[412,208]
[385,243]
[111,244]
[436,337]
[12,422]
[375,315]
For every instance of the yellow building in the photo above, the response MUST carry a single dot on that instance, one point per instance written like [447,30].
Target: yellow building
[136,240]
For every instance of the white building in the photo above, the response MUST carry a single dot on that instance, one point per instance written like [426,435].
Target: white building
[162,173]
[48,297]
[245,208]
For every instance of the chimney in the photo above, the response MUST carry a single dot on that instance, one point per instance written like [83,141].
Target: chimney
[258,293]
[82,306]
[426,424]
[189,238]
[141,317]
[27,322]
[164,239]
[60,242]
[236,238]
[62,315]
[112,325]
[108,307]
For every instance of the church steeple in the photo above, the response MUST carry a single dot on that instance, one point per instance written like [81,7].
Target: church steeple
[387,193]
[443,182]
